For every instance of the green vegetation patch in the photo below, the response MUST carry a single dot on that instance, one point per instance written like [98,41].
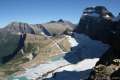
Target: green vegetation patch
[8,43]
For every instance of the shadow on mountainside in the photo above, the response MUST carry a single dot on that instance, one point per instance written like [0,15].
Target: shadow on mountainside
[70,75]
[20,45]
[86,49]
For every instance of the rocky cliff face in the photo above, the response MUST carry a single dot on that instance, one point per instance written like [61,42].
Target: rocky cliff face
[100,24]
[96,22]
[19,27]
[8,43]
[59,27]
[20,45]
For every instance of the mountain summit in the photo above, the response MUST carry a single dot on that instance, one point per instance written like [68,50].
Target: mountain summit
[98,11]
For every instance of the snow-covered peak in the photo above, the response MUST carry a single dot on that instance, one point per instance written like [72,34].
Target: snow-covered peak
[91,14]
[97,12]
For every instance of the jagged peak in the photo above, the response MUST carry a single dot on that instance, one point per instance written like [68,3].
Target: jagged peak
[100,7]
[61,20]
[17,22]
[98,11]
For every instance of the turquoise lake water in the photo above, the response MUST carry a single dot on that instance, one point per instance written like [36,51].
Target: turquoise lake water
[57,57]
[12,77]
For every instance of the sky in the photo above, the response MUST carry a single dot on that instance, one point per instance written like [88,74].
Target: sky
[41,11]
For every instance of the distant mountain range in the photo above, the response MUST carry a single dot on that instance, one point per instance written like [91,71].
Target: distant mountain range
[50,28]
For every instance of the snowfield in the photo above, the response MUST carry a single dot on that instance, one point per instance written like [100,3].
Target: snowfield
[58,66]
[72,41]
[81,66]
[42,69]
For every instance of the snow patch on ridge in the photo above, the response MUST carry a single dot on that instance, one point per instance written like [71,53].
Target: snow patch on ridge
[59,66]
[72,41]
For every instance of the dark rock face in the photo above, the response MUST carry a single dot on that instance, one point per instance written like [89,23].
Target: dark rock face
[115,75]
[60,20]
[19,47]
[19,27]
[98,23]
[59,27]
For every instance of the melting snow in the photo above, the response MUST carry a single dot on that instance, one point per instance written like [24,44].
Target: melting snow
[41,69]
[107,16]
[38,71]
[81,66]
[72,41]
